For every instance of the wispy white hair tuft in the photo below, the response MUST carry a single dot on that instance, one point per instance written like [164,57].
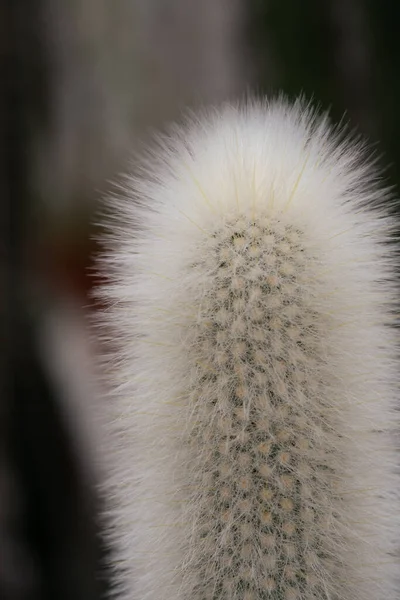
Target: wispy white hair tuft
[252,303]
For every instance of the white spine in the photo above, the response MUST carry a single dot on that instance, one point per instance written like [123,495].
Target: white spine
[252,288]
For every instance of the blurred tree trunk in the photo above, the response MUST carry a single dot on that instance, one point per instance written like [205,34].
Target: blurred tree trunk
[48,539]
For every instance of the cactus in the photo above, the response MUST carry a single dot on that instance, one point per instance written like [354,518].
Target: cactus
[251,298]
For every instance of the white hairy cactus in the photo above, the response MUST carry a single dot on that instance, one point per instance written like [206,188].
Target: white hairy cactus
[251,301]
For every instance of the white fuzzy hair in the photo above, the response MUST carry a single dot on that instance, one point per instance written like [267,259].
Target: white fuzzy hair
[251,301]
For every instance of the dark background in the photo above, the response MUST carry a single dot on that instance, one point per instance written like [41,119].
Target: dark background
[84,82]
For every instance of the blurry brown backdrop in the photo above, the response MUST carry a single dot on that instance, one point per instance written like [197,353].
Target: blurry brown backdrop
[85,82]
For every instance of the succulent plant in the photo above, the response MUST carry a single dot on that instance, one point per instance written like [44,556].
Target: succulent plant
[252,299]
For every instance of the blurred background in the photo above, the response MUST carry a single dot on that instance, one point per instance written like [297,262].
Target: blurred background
[85,83]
